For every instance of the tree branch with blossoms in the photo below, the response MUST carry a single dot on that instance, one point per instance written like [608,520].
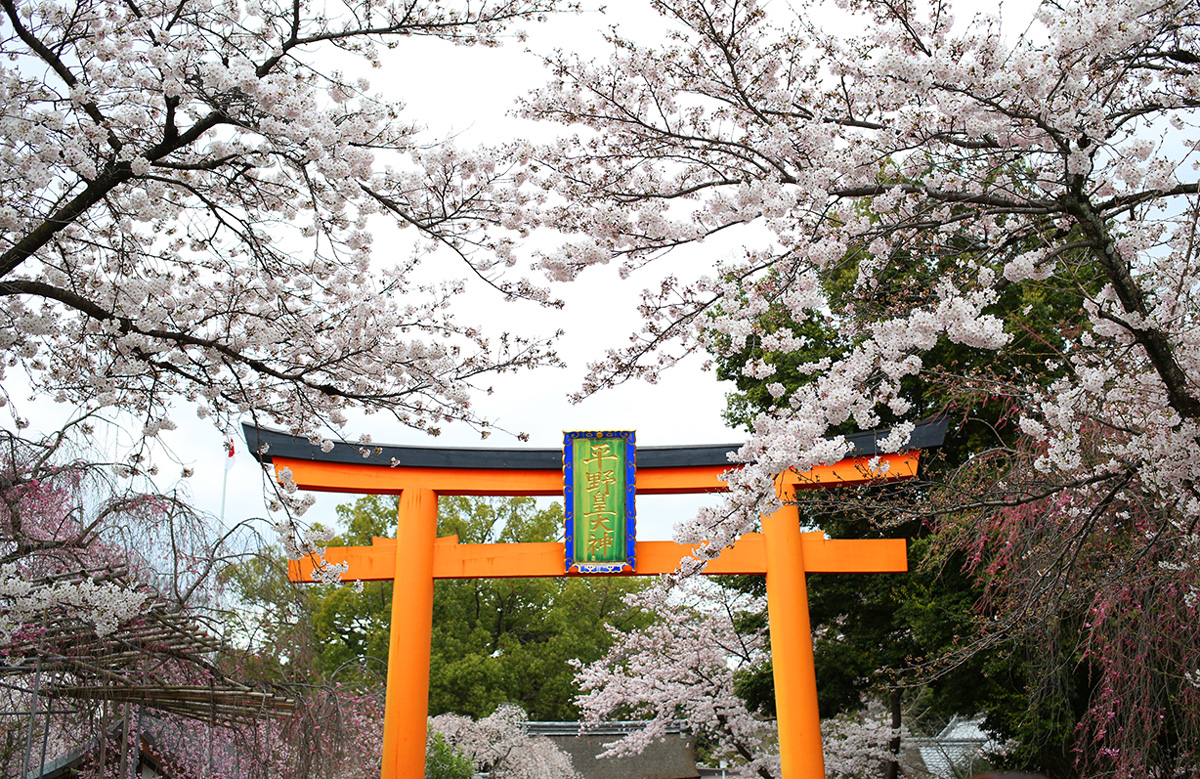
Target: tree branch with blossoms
[175,148]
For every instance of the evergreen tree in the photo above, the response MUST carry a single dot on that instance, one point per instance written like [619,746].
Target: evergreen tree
[494,641]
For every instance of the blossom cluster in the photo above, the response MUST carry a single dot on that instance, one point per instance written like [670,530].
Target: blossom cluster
[684,669]
[499,745]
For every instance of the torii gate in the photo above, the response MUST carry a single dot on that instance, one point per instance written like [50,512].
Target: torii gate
[416,557]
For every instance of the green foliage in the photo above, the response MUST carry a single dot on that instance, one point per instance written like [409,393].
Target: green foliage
[273,627]
[494,641]
[352,625]
[445,761]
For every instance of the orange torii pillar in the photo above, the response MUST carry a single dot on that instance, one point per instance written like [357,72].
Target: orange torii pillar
[416,557]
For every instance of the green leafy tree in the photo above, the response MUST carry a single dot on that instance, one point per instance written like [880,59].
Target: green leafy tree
[444,761]
[494,641]
[274,620]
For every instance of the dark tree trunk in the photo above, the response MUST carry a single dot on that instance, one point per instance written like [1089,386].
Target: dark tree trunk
[892,770]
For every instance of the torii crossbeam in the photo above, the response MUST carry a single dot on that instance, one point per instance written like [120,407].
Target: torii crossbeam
[416,557]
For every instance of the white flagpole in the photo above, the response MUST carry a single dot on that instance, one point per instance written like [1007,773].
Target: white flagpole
[225,479]
[224,483]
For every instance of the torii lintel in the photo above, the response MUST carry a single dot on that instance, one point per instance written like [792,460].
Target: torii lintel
[452,560]
[389,470]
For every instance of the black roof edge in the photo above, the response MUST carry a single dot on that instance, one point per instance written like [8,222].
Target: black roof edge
[265,444]
[608,728]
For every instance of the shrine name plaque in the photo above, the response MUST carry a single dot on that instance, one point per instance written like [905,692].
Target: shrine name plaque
[599,482]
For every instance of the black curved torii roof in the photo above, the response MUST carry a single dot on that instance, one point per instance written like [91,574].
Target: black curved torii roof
[265,444]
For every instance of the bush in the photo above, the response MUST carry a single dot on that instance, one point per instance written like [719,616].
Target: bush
[445,761]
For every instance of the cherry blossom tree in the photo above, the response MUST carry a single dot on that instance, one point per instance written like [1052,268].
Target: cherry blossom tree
[115,613]
[91,563]
[187,207]
[499,745]
[62,515]
[1054,154]
[190,196]
[688,666]
[682,668]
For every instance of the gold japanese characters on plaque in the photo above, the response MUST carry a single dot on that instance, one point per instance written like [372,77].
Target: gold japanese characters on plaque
[599,477]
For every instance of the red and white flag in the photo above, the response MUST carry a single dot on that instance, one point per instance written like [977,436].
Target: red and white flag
[228,453]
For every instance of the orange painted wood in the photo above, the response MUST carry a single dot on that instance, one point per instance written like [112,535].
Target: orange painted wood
[485,561]
[406,706]
[452,560]
[856,470]
[794,671]
[678,481]
[382,480]
[853,555]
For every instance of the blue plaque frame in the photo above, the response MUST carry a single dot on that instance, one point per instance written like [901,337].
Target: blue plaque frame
[628,565]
